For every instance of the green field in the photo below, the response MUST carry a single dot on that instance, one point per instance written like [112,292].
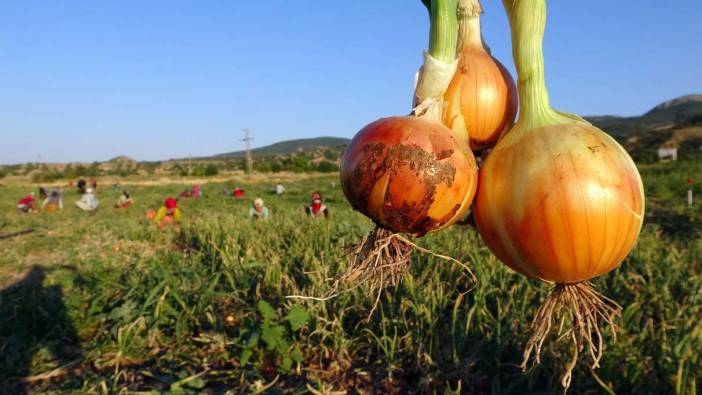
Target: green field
[108,303]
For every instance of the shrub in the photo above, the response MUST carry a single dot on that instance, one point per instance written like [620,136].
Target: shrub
[211,170]
[327,167]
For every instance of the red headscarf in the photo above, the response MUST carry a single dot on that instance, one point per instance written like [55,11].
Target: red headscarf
[171,203]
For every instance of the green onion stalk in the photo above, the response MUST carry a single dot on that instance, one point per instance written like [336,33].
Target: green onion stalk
[527,23]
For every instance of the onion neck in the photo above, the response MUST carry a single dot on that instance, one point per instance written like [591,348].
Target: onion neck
[442,33]
[439,61]
[527,22]
[469,36]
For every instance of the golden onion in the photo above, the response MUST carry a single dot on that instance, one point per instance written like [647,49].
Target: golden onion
[558,200]
[481,100]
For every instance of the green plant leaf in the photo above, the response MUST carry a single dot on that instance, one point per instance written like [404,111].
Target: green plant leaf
[282,347]
[253,340]
[297,317]
[197,383]
[245,356]
[272,335]
[296,355]
[266,310]
[286,364]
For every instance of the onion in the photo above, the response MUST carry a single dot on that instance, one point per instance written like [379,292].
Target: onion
[481,101]
[409,174]
[558,199]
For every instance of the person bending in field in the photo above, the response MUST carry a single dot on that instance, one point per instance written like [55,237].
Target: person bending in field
[42,194]
[258,210]
[81,184]
[196,191]
[125,200]
[54,202]
[27,204]
[317,208]
[238,193]
[88,202]
[168,214]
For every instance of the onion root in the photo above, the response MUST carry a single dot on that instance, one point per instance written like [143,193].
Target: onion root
[382,258]
[587,309]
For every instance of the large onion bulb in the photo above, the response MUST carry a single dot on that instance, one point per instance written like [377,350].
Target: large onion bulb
[408,175]
[558,200]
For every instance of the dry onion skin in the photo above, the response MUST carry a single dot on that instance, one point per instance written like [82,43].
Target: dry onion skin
[558,200]
[481,100]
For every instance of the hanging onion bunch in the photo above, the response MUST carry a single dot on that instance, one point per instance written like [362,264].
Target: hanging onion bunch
[558,200]
[409,174]
[481,101]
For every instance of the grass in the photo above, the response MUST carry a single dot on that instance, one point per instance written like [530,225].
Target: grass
[108,303]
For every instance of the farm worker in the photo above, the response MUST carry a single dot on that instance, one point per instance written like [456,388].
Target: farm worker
[88,202]
[54,201]
[81,186]
[186,194]
[259,210]
[93,184]
[238,193]
[27,204]
[125,200]
[42,193]
[279,189]
[168,213]
[196,191]
[317,208]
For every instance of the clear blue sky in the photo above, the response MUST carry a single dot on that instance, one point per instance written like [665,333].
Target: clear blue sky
[89,80]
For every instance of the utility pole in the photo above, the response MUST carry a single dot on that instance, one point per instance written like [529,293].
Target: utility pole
[249,162]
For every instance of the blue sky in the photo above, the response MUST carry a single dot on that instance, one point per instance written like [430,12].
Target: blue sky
[89,80]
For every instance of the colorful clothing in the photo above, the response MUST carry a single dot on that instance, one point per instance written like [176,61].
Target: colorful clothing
[165,216]
[316,208]
[27,204]
[124,201]
[169,213]
[54,202]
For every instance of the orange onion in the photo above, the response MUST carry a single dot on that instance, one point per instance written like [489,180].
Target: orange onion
[562,203]
[481,100]
[408,175]
[558,200]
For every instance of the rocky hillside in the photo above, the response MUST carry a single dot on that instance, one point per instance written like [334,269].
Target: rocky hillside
[674,123]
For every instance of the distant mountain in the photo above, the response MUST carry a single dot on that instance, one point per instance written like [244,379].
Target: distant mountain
[681,103]
[290,146]
[674,123]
